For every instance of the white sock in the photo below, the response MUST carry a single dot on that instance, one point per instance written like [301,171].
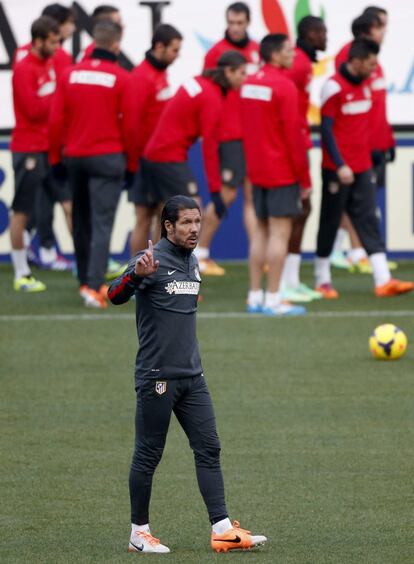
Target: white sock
[202,253]
[222,526]
[355,255]
[339,240]
[140,528]
[322,271]
[380,268]
[272,299]
[26,239]
[20,265]
[290,274]
[255,297]
[47,256]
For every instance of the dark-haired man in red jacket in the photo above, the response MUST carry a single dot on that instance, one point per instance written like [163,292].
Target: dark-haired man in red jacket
[232,160]
[150,94]
[51,191]
[34,84]
[277,166]
[193,112]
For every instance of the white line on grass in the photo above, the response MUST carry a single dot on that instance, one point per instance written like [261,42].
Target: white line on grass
[202,315]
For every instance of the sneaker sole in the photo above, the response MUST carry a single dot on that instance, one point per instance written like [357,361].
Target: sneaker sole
[218,550]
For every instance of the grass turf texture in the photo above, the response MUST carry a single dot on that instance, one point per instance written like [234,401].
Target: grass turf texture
[317,436]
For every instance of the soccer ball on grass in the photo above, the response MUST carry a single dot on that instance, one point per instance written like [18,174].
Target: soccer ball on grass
[388,342]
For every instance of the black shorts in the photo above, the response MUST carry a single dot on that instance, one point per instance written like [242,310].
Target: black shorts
[32,174]
[164,180]
[232,163]
[140,192]
[281,201]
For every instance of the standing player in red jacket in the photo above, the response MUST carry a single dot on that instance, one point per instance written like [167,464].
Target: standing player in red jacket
[312,37]
[347,170]
[34,83]
[52,191]
[277,166]
[193,112]
[151,92]
[232,161]
[371,25]
[90,114]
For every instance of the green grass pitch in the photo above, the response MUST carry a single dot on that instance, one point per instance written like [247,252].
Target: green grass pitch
[317,437]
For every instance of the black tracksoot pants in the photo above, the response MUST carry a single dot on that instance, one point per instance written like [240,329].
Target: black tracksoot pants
[96,184]
[191,403]
[359,201]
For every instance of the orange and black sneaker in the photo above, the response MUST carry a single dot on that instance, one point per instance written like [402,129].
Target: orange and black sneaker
[393,288]
[235,538]
[328,292]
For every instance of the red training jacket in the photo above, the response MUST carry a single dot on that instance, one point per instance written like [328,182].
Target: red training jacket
[381,134]
[231,126]
[90,111]
[62,60]
[349,106]
[274,144]
[150,91]
[301,74]
[193,112]
[34,83]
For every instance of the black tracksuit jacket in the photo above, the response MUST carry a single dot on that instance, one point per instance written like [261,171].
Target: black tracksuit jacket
[166,305]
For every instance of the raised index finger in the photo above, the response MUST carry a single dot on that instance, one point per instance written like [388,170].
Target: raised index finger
[150,246]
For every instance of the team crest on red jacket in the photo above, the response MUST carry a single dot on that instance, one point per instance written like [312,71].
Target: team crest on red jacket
[160,388]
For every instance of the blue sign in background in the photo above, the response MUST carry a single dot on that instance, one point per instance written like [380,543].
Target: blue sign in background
[230,242]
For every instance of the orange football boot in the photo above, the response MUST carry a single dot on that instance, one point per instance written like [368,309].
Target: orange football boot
[328,292]
[103,291]
[235,539]
[393,288]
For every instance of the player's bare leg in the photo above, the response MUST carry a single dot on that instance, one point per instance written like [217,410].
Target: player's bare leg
[23,279]
[257,254]
[67,211]
[249,215]
[280,229]
[292,288]
[141,231]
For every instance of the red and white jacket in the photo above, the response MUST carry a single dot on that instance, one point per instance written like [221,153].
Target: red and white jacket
[150,94]
[231,126]
[193,112]
[349,105]
[381,134]
[91,112]
[34,84]
[273,140]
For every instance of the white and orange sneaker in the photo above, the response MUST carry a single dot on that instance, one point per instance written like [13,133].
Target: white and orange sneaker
[92,298]
[235,538]
[142,541]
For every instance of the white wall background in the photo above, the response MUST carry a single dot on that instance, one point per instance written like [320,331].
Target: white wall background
[205,19]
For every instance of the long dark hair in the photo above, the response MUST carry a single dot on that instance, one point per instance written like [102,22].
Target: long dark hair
[171,210]
[229,59]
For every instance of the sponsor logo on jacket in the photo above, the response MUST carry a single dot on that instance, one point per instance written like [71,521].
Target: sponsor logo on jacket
[183,287]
